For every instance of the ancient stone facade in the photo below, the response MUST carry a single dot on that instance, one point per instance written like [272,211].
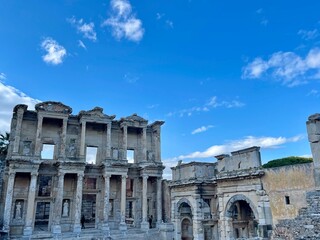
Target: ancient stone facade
[68,172]
[90,176]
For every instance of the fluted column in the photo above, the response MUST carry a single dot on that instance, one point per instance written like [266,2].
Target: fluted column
[106,203]
[16,144]
[78,203]
[83,138]
[108,150]
[62,153]
[144,223]
[8,201]
[38,136]
[159,200]
[125,141]
[56,228]
[27,231]
[144,144]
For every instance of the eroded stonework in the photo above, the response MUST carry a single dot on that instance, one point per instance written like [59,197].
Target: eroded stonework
[68,173]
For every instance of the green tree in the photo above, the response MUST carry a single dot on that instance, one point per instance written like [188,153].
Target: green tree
[4,143]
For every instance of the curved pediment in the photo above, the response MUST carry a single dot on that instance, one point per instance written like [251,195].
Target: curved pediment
[134,118]
[96,112]
[56,107]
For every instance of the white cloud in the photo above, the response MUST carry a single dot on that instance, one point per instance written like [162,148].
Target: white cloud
[160,15]
[10,97]
[287,67]
[212,103]
[55,52]
[86,29]
[131,78]
[314,93]
[308,35]
[82,45]
[123,22]
[201,129]
[234,145]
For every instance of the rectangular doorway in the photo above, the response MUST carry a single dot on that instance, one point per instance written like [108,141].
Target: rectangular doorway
[42,216]
[88,210]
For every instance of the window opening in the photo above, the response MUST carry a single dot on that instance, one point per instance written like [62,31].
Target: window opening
[47,151]
[287,198]
[130,156]
[45,183]
[91,155]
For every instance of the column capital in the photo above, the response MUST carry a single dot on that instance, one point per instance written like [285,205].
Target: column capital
[12,173]
[34,174]
[107,175]
[80,175]
[123,125]
[145,176]
[124,176]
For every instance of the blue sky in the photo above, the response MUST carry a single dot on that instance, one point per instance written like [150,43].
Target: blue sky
[224,75]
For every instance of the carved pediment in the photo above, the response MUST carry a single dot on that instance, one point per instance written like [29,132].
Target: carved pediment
[134,118]
[51,106]
[95,112]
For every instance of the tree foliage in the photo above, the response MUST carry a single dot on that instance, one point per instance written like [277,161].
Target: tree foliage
[4,143]
[286,161]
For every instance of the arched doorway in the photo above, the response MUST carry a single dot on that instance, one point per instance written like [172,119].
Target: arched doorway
[242,218]
[186,221]
[186,229]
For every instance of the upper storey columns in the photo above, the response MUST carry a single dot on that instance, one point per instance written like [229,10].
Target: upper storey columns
[19,109]
[124,127]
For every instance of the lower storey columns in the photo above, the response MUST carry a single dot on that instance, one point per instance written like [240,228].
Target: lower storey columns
[159,201]
[27,231]
[144,223]
[106,204]
[8,202]
[56,228]
[123,226]
[77,215]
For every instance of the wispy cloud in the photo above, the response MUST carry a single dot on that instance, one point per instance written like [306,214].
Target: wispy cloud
[286,67]
[153,106]
[169,23]
[2,76]
[123,22]
[131,78]
[308,34]
[86,29]
[159,15]
[263,20]
[82,45]
[54,52]
[201,129]
[212,103]
[313,93]
[10,97]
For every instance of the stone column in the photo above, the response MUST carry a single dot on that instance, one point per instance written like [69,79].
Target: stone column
[108,150]
[62,153]
[144,144]
[144,223]
[56,228]
[8,202]
[106,204]
[16,144]
[123,225]
[159,201]
[27,231]
[83,138]
[124,141]
[38,136]
[78,203]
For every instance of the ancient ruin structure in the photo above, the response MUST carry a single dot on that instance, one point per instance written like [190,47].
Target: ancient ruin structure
[91,176]
[67,172]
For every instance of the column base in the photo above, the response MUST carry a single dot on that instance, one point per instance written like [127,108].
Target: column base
[27,231]
[144,226]
[123,227]
[56,229]
[77,228]
[106,229]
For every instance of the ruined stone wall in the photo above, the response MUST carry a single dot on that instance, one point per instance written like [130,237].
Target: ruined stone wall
[287,187]
[307,223]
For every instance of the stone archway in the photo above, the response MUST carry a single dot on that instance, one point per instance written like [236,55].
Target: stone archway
[185,219]
[243,217]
